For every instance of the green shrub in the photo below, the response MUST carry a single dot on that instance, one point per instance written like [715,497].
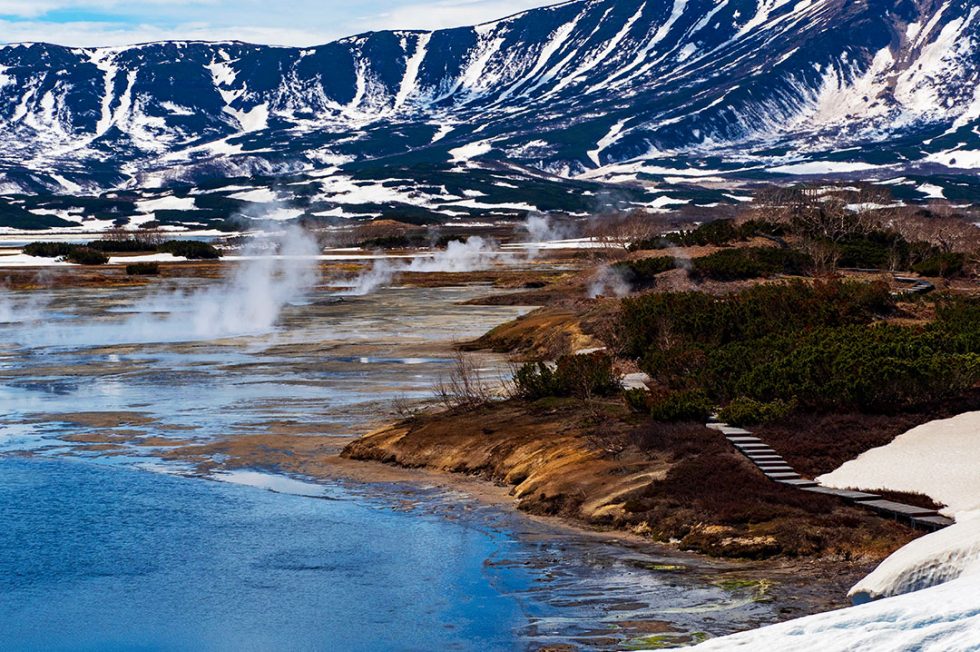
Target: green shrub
[190,249]
[638,400]
[582,376]
[718,233]
[134,245]
[536,380]
[874,250]
[687,318]
[641,274]
[745,411]
[86,256]
[143,269]
[691,405]
[877,368]
[751,262]
[944,265]
[767,348]
[756,228]
[48,249]
[588,375]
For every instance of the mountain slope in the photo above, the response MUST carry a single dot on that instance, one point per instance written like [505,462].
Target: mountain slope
[570,90]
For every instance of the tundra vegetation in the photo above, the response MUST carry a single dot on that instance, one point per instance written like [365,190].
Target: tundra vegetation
[787,313]
[95,252]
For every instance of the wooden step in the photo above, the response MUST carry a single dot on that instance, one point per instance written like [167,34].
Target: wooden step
[847,494]
[900,509]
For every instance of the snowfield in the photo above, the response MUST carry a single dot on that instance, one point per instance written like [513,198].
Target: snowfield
[940,459]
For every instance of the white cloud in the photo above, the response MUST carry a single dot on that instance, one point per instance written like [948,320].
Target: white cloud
[448,13]
[308,22]
[38,8]
[95,34]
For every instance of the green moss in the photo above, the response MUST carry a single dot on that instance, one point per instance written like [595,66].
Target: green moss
[758,588]
[658,568]
[665,641]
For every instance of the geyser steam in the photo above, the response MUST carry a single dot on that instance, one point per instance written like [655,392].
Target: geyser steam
[470,255]
[248,302]
[19,311]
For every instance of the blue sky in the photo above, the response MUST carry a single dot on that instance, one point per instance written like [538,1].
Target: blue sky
[293,22]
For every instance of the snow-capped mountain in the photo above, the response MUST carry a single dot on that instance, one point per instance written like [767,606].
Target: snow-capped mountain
[594,90]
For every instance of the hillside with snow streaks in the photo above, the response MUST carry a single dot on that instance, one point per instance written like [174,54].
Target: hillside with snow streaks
[565,90]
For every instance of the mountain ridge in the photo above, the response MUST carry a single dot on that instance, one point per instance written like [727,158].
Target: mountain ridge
[594,90]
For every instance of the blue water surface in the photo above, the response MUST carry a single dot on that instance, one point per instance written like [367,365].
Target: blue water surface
[100,558]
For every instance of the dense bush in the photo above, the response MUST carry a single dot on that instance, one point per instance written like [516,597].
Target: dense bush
[638,400]
[582,376]
[389,242]
[692,405]
[745,411]
[86,256]
[143,269]
[687,318]
[879,368]
[48,249]
[641,274]
[190,249]
[750,262]
[874,250]
[717,233]
[765,348]
[755,228]
[133,245]
[535,380]
[944,265]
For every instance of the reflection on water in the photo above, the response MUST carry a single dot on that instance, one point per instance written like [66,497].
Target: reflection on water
[335,366]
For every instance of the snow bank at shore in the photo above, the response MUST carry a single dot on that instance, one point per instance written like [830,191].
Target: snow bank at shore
[935,559]
[945,618]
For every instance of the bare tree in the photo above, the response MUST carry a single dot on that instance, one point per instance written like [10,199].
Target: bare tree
[825,216]
[624,230]
[464,387]
[948,230]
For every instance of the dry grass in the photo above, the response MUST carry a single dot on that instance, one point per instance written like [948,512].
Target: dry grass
[815,444]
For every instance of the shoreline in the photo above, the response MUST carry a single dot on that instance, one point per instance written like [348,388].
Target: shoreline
[794,587]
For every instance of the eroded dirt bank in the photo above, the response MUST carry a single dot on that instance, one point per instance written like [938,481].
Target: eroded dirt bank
[598,466]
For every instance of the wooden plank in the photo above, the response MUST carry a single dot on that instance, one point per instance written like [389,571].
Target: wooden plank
[900,509]
[799,484]
[843,493]
[932,522]
[728,430]
[782,475]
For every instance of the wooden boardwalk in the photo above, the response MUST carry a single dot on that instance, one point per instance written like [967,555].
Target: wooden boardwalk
[778,470]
